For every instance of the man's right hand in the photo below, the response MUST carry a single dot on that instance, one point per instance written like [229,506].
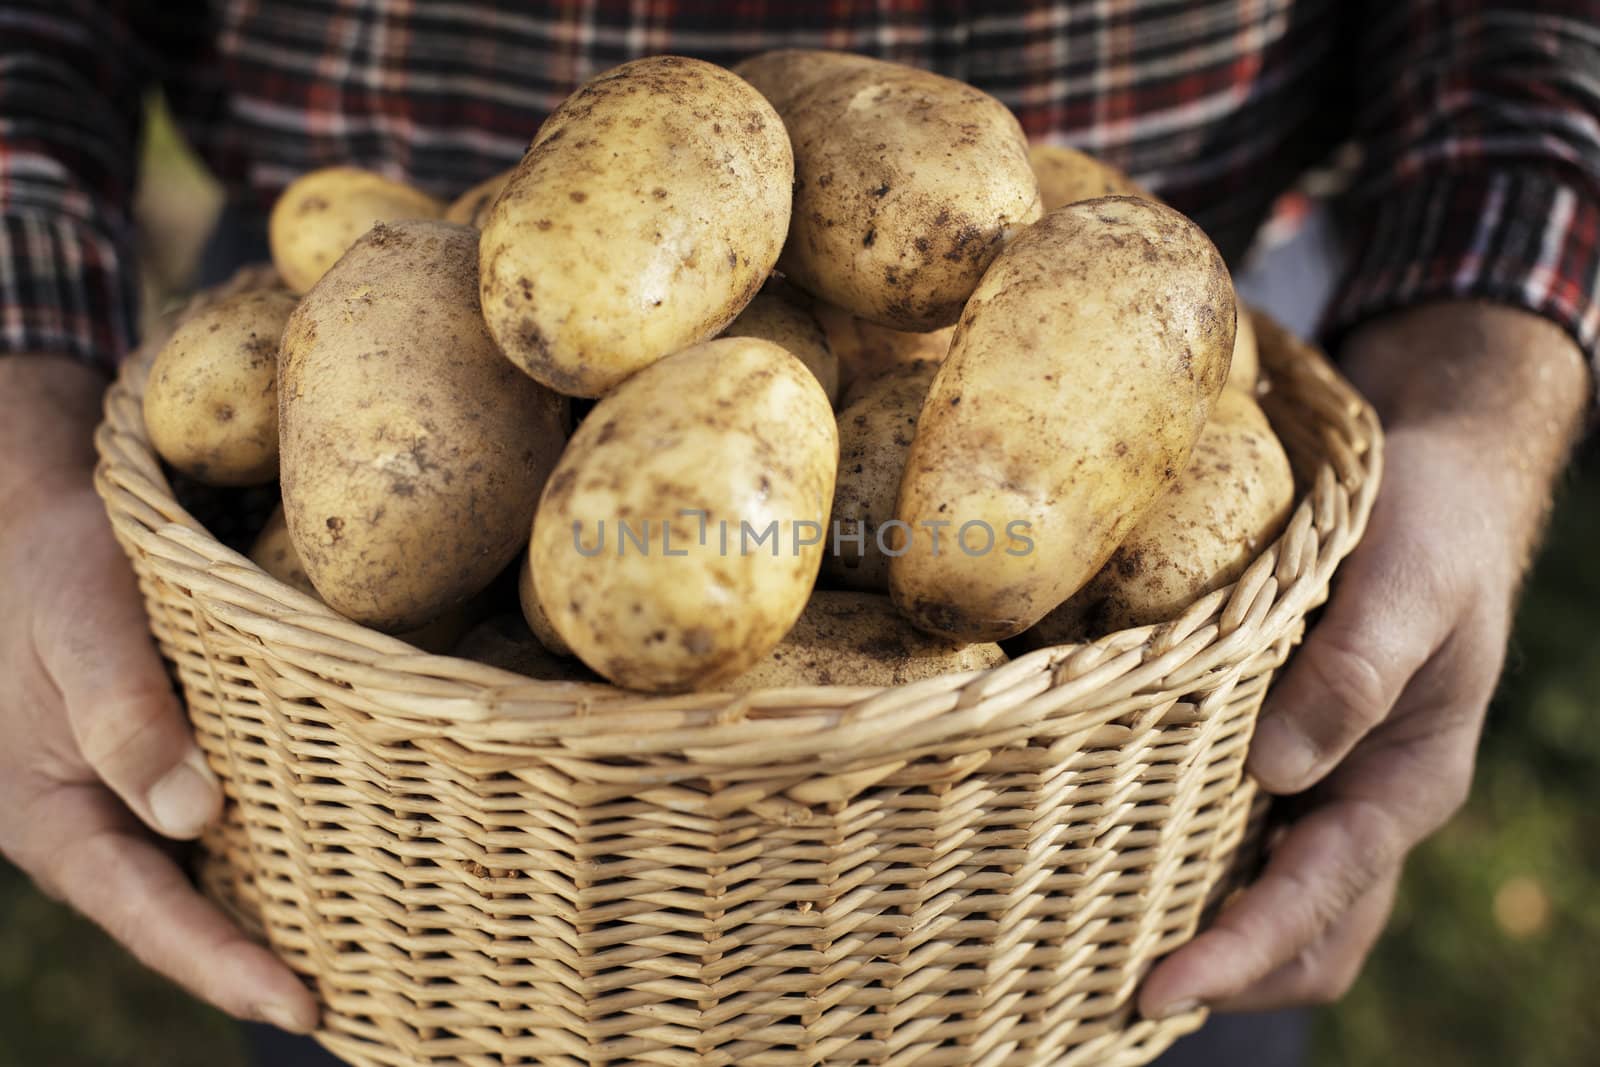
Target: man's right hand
[95,752]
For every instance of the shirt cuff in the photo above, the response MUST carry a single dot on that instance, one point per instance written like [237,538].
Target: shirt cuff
[67,287]
[1522,237]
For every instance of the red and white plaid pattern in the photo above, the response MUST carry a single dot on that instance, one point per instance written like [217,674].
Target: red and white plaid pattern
[1480,119]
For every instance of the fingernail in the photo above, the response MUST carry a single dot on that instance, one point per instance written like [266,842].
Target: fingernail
[185,799]
[1280,753]
[283,1017]
[1182,1007]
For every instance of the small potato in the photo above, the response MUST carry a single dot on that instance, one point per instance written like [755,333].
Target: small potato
[859,639]
[533,611]
[274,553]
[471,208]
[211,405]
[413,452]
[1230,502]
[680,534]
[1067,176]
[867,351]
[506,642]
[875,433]
[772,318]
[648,212]
[907,184]
[1081,374]
[1244,373]
[321,214]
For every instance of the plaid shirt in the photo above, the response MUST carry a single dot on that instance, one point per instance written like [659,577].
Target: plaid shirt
[1479,119]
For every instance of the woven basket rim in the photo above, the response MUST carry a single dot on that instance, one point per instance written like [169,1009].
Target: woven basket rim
[404,691]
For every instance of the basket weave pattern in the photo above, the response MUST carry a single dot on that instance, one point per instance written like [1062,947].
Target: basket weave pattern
[473,867]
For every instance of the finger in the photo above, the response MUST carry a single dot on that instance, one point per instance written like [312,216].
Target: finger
[1321,867]
[96,647]
[107,867]
[1351,670]
[1324,972]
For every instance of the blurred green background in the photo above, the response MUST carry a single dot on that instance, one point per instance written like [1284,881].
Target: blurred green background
[1492,957]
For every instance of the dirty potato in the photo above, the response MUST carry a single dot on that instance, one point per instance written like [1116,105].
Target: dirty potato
[875,433]
[1081,374]
[647,214]
[413,453]
[867,351]
[860,639]
[772,318]
[471,208]
[907,184]
[680,534]
[1066,176]
[322,213]
[1202,532]
[533,612]
[211,404]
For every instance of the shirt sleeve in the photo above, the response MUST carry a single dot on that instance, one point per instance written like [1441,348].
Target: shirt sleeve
[1480,126]
[73,75]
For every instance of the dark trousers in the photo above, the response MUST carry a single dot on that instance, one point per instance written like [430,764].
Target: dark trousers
[1274,1039]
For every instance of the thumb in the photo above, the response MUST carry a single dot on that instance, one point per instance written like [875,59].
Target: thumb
[1351,670]
[94,642]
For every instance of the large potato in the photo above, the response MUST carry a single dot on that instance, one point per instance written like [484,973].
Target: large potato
[867,351]
[772,318]
[648,212]
[860,639]
[322,213]
[700,454]
[471,208]
[211,404]
[274,552]
[875,433]
[1066,176]
[907,184]
[413,453]
[1230,501]
[1081,374]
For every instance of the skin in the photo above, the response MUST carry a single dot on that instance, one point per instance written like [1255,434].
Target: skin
[1374,725]
[772,318]
[90,725]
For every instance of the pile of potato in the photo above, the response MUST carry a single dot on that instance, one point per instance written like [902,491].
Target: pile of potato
[823,317]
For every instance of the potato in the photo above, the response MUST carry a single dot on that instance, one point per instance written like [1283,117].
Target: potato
[471,208]
[273,551]
[784,75]
[533,612]
[1244,373]
[1230,502]
[211,404]
[875,433]
[772,318]
[720,459]
[1081,374]
[646,215]
[1066,176]
[867,351]
[413,453]
[907,184]
[322,213]
[505,641]
[859,639]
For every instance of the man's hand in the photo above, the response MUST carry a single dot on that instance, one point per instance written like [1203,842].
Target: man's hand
[93,745]
[1376,720]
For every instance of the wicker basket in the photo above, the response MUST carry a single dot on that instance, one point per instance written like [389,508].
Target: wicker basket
[471,867]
